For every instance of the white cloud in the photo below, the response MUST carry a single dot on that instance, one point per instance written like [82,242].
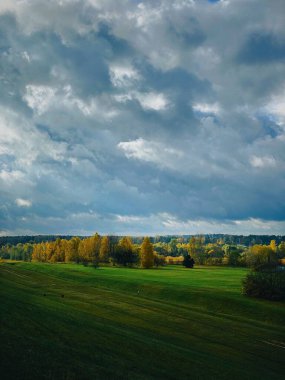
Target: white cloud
[39,98]
[207,108]
[148,100]
[262,162]
[130,218]
[23,202]
[276,108]
[45,99]
[151,151]
[123,75]
[9,177]
[152,100]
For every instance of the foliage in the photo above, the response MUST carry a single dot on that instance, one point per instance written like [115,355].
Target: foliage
[158,260]
[231,255]
[215,239]
[124,253]
[72,250]
[188,261]
[161,248]
[196,249]
[17,252]
[94,250]
[268,283]
[259,255]
[104,250]
[147,255]
[170,260]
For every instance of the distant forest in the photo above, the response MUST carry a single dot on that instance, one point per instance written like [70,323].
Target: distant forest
[148,252]
[247,241]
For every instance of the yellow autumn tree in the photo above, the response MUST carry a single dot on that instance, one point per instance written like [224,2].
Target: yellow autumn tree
[273,245]
[94,249]
[71,253]
[104,250]
[147,255]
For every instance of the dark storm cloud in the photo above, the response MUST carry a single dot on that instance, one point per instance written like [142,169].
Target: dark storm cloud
[142,117]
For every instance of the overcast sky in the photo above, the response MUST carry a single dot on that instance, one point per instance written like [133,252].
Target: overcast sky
[142,117]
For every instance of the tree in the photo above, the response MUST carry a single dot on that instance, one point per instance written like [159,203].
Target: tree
[260,255]
[27,251]
[104,250]
[38,252]
[192,246]
[124,252]
[59,252]
[196,249]
[94,243]
[71,253]
[173,247]
[281,250]
[82,251]
[158,260]
[273,245]
[232,255]
[147,255]
[188,261]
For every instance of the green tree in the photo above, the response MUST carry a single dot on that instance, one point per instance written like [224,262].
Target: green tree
[124,253]
[158,260]
[281,250]
[173,250]
[196,249]
[27,251]
[232,255]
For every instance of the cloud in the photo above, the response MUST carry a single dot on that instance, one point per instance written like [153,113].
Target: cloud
[161,123]
[123,75]
[23,202]
[261,162]
[39,97]
[152,101]
[206,108]
[150,151]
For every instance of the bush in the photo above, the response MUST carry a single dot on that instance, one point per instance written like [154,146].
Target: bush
[266,283]
[188,262]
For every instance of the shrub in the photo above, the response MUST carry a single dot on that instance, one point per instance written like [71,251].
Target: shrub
[188,262]
[265,283]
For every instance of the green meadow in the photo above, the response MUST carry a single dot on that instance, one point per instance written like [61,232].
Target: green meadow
[67,321]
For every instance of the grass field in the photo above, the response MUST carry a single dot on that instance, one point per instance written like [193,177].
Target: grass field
[116,323]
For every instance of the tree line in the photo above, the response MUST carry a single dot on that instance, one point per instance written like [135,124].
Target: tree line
[97,250]
[247,241]
[125,252]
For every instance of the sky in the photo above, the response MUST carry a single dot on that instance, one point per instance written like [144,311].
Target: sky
[142,117]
